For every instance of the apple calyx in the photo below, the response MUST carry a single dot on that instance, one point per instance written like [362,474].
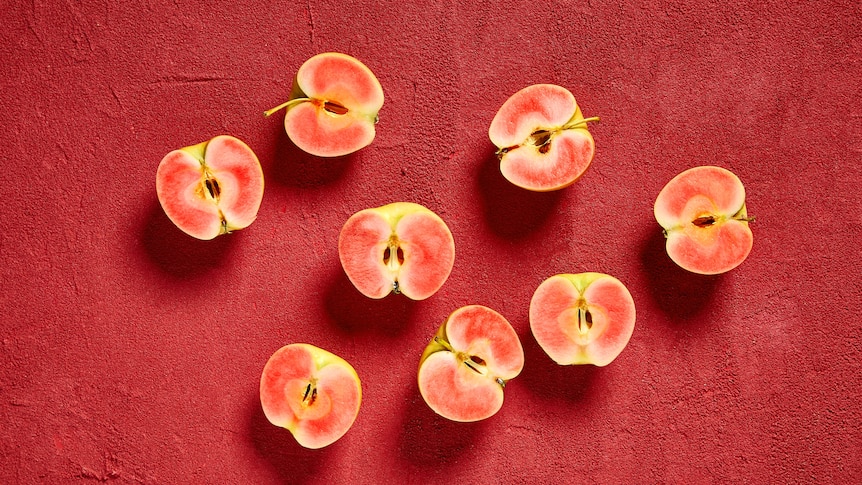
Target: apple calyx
[542,137]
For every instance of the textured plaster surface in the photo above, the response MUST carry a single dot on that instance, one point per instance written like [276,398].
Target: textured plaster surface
[131,353]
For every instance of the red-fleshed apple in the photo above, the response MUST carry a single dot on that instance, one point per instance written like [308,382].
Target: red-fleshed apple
[464,369]
[542,138]
[311,392]
[585,318]
[401,247]
[702,211]
[332,108]
[211,188]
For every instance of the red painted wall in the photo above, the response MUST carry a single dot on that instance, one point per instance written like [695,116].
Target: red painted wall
[132,353]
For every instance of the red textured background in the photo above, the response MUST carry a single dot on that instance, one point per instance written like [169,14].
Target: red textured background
[132,353]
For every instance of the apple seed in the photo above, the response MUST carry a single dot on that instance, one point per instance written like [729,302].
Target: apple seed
[704,221]
[310,395]
[334,108]
[213,188]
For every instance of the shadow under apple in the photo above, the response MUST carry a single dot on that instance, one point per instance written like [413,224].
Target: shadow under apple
[549,380]
[178,254]
[291,462]
[431,442]
[678,293]
[295,168]
[511,211]
[354,313]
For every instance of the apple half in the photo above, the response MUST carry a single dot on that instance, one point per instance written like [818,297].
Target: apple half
[401,247]
[585,318]
[333,106]
[542,138]
[465,367]
[702,211]
[211,188]
[311,392]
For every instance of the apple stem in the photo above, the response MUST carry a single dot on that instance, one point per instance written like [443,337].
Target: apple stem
[444,343]
[286,104]
[580,122]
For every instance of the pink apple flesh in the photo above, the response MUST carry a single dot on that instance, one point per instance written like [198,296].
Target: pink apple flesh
[542,138]
[703,214]
[464,369]
[401,247]
[586,318]
[211,188]
[311,392]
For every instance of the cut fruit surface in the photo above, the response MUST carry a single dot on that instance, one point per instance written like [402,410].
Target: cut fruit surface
[542,138]
[401,247]
[332,110]
[311,392]
[465,367]
[211,188]
[702,211]
[586,318]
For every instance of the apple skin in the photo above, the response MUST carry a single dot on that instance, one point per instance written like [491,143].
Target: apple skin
[585,318]
[542,138]
[465,367]
[703,214]
[211,188]
[400,247]
[311,392]
[333,106]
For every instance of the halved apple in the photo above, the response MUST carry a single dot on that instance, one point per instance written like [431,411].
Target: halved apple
[702,211]
[542,138]
[333,105]
[311,392]
[401,247]
[464,369]
[211,188]
[585,318]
